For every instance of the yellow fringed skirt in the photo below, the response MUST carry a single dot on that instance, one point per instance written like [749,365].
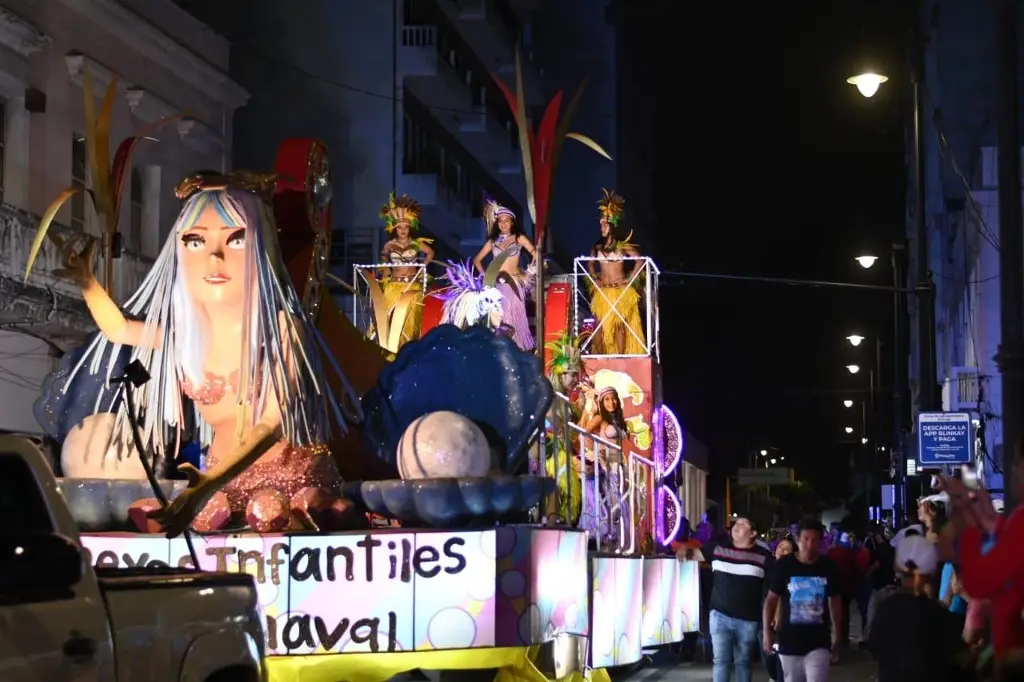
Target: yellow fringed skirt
[616,308]
[570,498]
[405,298]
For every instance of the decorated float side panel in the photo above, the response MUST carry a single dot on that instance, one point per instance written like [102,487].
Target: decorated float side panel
[391,590]
[616,610]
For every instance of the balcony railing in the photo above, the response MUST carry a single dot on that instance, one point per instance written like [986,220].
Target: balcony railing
[586,287]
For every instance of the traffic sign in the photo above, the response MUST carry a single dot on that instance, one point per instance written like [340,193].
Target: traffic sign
[771,476]
[944,438]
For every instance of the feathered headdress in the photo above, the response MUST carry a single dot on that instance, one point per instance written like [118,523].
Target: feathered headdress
[493,210]
[612,206]
[403,209]
[565,354]
[461,278]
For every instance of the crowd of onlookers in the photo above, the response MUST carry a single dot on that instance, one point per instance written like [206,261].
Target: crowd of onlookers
[941,599]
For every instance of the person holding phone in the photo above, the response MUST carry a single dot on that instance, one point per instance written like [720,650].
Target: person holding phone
[990,555]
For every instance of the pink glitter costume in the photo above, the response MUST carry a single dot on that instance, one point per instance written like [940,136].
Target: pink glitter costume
[286,487]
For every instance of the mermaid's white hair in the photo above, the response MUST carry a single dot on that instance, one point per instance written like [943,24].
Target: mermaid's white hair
[173,346]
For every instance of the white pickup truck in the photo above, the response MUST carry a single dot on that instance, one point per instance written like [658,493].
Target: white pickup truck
[61,620]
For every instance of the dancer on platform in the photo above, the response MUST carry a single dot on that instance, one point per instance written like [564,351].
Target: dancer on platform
[218,326]
[605,511]
[403,281]
[566,372]
[616,300]
[505,241]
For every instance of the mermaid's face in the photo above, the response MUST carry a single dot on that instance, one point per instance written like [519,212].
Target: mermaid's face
[212,256]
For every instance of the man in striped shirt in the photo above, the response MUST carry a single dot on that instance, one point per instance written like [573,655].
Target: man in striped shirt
[738,569]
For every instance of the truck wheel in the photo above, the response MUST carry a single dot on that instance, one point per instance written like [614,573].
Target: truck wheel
[237,673]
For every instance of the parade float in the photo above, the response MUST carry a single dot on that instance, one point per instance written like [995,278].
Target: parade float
[516,540]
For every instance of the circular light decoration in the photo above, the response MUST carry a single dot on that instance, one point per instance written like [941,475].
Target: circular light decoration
[668,451]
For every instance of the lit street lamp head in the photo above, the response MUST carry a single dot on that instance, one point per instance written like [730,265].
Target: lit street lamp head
[764,453]
[773,460]
[867,83]
[849,429]
[866,261]
[853,369]
[855,339]
[863,441]
[847,403]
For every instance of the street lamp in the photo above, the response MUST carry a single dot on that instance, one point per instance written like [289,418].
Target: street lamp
[855,339]
[847,403]
[867,83]
[866,261]
[773,460]
[863,441]
[849,429]
[853,369]
[764,453]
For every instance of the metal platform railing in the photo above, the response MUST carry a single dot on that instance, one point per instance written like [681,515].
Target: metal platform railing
[613,485]
[587,288]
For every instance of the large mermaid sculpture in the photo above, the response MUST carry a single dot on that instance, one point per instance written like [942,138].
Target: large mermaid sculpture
[403,281]
[219,327]
[506,240]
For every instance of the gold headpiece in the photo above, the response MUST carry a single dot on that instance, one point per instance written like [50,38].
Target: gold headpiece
[261,184]
[611,206]
[403,209]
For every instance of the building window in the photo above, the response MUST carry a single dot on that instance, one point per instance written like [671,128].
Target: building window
[135,219]
[79,177]
[3,141]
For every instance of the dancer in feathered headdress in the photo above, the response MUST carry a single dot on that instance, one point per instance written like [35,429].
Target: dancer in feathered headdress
[469,300]
[615,302]
[403,281]
[505,242]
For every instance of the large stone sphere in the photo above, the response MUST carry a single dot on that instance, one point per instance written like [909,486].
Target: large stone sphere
[443,445]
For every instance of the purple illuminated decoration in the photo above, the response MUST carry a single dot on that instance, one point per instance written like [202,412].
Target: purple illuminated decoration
[668,451]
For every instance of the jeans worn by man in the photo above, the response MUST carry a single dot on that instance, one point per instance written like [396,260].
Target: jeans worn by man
[734,643]
[737,590]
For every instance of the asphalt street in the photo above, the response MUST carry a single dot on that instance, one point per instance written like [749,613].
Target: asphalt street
[857,668]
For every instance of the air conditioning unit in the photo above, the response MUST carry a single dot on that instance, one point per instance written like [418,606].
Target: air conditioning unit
[961,389]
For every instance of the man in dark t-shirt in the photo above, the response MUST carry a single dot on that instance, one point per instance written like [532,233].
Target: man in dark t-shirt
[806,588]
[916,639]
[738,568]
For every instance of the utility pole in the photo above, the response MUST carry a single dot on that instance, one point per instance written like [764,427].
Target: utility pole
[925,287]
[901,349]
[1010,357]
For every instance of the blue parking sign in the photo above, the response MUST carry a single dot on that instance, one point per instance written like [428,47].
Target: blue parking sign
[944,438]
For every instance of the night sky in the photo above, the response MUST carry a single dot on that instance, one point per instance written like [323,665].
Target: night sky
[771,165]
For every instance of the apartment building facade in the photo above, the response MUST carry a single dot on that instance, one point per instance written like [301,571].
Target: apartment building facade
[46,48]
[402,92]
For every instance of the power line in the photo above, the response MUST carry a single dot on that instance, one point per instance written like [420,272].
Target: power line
[811,283]
[294,68]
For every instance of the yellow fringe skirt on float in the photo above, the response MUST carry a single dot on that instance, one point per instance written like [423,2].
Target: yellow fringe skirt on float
[570,499]
[405,297]
[615,308]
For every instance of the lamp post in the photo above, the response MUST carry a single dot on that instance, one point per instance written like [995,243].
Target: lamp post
[928,397]
[901,350]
